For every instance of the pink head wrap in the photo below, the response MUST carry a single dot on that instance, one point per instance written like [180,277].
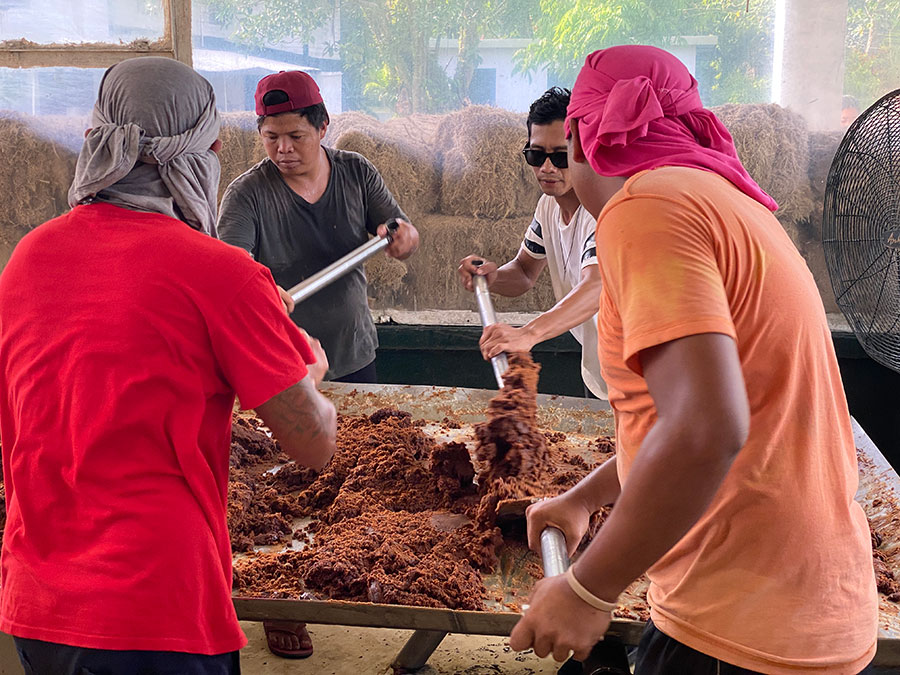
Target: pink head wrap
[638,108]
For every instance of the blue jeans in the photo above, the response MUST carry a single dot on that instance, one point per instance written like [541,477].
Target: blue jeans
[50,658]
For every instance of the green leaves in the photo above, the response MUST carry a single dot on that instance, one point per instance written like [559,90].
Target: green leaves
[387,46]
[738,66]
[872,59]
[271,21]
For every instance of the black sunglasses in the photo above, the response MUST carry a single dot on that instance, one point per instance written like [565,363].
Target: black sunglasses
[559,159]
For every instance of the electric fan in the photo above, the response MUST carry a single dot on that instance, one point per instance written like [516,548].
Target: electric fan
[861,229]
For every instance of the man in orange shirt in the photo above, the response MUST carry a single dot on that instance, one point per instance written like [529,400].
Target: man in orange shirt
[735,471]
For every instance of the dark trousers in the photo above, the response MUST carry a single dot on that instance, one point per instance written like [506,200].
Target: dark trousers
[49,658]
[365,375]
[658,654]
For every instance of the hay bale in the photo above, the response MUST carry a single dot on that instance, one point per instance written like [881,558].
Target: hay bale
[483,173]
[477,119]
[408,168]
[241,147]
[809,244]
[420,128]
[385,272]
[822,147]
[386,278]
[773,145]
[346,121]
[35,172]
[431,281]
[63,130]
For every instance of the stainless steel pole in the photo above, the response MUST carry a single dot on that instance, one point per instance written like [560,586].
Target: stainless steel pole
[339,268]
[499,363]
[553,552]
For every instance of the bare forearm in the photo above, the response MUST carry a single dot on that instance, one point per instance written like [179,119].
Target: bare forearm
[599,488]
[512,280]
[304,422]
[669,487]
[579,305]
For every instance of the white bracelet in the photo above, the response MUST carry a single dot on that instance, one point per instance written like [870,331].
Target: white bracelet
[586,595]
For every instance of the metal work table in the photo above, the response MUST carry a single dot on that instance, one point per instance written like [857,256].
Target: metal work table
[578,418]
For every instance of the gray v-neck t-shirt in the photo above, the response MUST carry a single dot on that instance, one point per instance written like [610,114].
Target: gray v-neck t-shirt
[295,239]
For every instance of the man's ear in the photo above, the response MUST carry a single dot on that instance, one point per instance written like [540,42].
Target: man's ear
[87,131]
[576,151]
[216,146]
[323,130]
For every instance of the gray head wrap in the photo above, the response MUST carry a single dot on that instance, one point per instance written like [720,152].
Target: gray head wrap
[149,149]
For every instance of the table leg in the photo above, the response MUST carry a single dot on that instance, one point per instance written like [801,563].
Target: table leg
[417,650]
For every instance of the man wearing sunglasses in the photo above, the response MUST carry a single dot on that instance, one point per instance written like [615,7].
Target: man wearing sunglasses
[560,238]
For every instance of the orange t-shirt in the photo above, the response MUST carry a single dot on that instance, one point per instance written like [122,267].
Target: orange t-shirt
[777,575]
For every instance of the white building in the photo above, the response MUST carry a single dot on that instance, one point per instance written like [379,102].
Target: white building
[495,83]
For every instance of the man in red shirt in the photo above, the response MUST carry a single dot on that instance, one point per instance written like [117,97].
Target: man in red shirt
[125,334]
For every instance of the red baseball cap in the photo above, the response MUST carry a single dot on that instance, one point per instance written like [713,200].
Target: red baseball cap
[299,88]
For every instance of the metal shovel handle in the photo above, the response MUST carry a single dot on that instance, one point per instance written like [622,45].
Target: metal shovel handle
[607,656]
[340,267]
[554,557]
[499,363]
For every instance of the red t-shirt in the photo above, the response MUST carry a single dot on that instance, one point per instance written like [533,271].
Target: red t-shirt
[124,337]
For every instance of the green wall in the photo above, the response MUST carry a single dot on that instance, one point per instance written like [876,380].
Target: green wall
[449,356]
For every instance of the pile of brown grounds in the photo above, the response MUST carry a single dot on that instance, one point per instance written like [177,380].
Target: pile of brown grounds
[397,517]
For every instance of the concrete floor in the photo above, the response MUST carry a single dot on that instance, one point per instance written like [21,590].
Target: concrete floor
[364,651]
[369,651]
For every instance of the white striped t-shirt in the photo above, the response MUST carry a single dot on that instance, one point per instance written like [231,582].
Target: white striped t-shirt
[568,248]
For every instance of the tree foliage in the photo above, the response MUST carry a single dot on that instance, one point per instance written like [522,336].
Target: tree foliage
[567,30]
[270,22]
[872,59]
[737,67]
[388,47]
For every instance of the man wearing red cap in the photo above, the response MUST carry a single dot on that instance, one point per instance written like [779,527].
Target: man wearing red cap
[305,206]
[735,471]
[297,211]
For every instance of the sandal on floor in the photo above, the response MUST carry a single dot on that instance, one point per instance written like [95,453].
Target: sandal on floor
[288,630]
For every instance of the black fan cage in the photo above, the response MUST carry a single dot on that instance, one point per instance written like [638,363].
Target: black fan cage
[861,229]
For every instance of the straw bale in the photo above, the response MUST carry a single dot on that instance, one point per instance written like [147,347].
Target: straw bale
[386,277]
[407,167]
[35,173]
[419,127]
[773,145]
[241,147]
[432,282]
[476,119]
[346,121]
[66,131]
[822,147]
[482,170]
[809,243]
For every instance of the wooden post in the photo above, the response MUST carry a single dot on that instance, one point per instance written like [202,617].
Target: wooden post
[178,29]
